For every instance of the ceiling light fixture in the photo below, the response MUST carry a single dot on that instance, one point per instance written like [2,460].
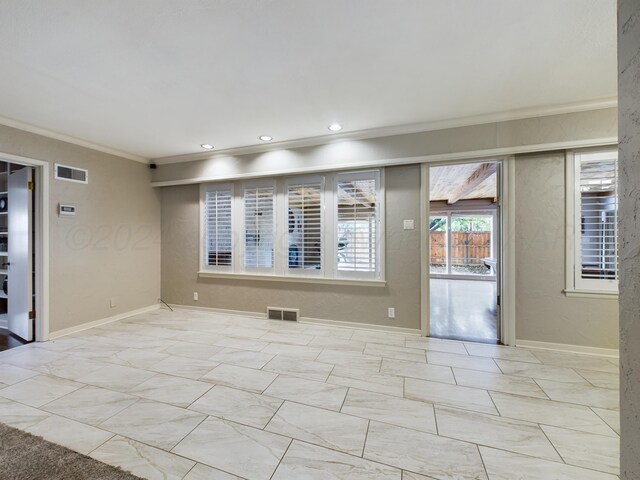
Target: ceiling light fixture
[335,127]
[207,146]
[265,138]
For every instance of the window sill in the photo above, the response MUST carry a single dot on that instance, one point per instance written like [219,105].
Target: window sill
[293,279]
[591,294]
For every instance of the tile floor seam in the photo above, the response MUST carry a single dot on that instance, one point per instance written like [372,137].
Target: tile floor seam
[281,458]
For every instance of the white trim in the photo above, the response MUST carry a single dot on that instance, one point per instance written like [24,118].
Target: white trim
[41,223]
[496,117]
[103,321]
[361,326]
[508,251]
[293,279]
[425,248]
[69,139]
[222,311]
[441,157]
[591,294]
[564,347]
[309,320]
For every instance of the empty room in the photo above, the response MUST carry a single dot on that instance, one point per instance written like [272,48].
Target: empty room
[315,240]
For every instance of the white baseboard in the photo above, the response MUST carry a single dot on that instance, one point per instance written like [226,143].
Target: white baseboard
[563,347]
[308,320]
[220,310]
[361,326]
[102,321]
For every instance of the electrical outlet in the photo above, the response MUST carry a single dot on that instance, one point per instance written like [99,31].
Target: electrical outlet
[195,296]
[112,302]
[392,312]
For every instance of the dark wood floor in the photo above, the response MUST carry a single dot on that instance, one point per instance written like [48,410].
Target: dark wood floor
[8,340]
[464,310]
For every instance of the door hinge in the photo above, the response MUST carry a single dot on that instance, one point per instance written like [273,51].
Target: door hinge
[30,185]
[498,300]
[32,315]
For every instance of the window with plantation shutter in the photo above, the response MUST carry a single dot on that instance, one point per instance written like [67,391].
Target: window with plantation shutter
[259,227]
[318,228]
[357,224]
[595,220]
[218,227]
[304,225]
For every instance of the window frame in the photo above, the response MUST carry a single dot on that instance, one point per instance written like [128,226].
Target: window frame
[260,183]
[377,176]
[328,273]
[304,272]
[204,189]
[575,285]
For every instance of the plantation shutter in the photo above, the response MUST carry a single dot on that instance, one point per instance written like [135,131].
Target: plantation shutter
[304,220]
[597,202]
[358,223]
[218,250]
[258,227]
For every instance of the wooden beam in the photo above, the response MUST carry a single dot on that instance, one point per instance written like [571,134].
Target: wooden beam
[478,176]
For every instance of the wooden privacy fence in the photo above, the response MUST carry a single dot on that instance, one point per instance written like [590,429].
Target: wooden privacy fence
[467,248]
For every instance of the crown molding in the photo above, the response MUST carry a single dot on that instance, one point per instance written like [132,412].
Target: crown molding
[505,116]
[9,122]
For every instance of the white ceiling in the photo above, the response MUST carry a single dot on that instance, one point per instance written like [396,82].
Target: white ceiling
[157,78]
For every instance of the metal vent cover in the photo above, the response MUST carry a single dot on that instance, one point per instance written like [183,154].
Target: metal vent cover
[71,174]
[279,313]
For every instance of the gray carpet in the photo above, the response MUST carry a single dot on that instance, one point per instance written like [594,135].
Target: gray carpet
[26,457]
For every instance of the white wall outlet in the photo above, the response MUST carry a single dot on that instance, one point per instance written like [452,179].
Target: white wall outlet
[409,224]
[392,312]
[112,302]
[195,296]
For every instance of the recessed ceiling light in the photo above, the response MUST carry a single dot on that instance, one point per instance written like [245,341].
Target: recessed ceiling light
[207,146]
[265,138]
[335,127]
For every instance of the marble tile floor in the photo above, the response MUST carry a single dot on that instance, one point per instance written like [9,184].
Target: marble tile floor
[200,396]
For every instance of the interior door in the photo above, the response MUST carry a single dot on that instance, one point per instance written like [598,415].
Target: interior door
[19,249]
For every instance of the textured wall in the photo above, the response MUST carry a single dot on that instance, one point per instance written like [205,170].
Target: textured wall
[111,248]
[629,135]
[180,246]
[523,134]
[543,312]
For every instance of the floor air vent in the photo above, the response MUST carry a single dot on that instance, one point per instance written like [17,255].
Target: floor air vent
[289,314]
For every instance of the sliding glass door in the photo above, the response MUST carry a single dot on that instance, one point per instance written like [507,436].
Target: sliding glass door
[463,244]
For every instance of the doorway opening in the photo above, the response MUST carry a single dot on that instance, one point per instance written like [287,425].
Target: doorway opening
[18,240]
[464,251]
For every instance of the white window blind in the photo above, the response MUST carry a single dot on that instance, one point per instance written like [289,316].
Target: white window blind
[259,227]
[596,221]
[357,223]
[304,220]
[218,232]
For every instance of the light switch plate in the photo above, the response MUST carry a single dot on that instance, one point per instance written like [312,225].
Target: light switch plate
[409,224]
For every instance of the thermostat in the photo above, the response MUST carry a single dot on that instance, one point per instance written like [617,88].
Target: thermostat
[67,210]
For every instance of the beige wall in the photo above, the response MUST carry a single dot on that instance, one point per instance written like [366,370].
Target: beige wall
[543,312]
[111,248]
[180,247]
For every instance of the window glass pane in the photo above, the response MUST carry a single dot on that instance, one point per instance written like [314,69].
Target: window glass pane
[304,231]
[258,227]
[438,237]
[598,216]
[218,228]
[471,240]
[357,225]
